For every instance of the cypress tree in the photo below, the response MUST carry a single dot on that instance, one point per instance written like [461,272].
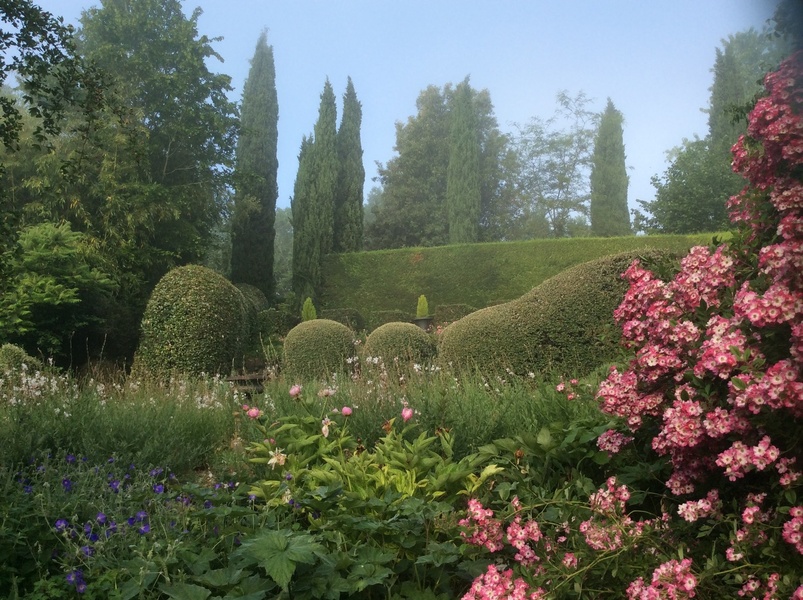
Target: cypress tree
[348,223]
[256,188]
[609,180]
[324,171]
[463,192]
[306,247]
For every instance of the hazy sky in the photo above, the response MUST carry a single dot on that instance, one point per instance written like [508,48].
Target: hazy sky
[653,58]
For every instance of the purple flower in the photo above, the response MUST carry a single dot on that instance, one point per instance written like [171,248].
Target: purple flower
[114,485]
[87,550]
[144,529]
[66,484]
[156,471]
[87,528]
[70,459]
[75,577]
[81,587]
[28,489]
[101,518]
[208,504]
[159,488]
[93,537]
[142,515]
[289,476]
[61,524]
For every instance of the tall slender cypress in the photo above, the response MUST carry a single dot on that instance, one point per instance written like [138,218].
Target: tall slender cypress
[306,246]
[348,222]
[324,171]
[609,180]
[256,188]
[463,190]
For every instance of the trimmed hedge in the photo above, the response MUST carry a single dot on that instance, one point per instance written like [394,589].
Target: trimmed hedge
[400,343]
[449,313]
[380,317]
[195,322]
[316,349]
[565,324]
[473,274]
[348,316]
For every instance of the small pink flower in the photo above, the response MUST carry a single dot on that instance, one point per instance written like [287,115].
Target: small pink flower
[295,391]
[346,411]
[246,407]
[254,413]
[407,414]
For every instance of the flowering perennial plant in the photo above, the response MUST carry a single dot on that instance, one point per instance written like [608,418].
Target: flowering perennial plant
[716,380]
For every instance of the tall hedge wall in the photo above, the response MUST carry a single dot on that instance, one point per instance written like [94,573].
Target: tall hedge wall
[475,274]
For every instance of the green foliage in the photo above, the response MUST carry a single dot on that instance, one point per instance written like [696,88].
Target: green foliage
[463,192]
[55,286]
[609,212]
[380,317]
[475,274]
[253,230]
[195,322]
[555,161]
[283,252]
[308,312]
[690,195]
[277,321]
[348,316]
[400,345]
[317,349]
[254,303]
[563,325]
[447,313]
[422,308]
[14,360]
[412,208]
[374,521]
[348,217]
[306,254]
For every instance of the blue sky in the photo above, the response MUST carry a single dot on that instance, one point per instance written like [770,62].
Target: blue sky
[653,58]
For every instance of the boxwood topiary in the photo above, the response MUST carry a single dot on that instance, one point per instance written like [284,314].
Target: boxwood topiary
[316,349]
[380,317]
[402,343]
[564,324]
[195,322]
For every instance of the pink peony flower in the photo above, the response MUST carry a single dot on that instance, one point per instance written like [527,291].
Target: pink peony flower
[407,414]
[254,413]
[295,391]
[346,411]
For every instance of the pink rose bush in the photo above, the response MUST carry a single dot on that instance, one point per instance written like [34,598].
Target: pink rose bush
[717,376]
[711,401]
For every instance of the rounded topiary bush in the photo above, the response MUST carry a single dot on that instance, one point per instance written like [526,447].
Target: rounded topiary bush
[316,349]
[564,324]
[402,343]
[14,359]
[195,322]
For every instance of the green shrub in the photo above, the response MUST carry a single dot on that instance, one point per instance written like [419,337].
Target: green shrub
[317,349]
[449,313]
[195,322]
[308,312]
[12,359]
[403,341]
[380,317]
[564,324]
[348,316]
[255,303]
[277,321]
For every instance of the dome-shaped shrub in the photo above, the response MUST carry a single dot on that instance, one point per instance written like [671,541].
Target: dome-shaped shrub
[195,322]
[316,349]
[13,360]
[403,341]
[563,324]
